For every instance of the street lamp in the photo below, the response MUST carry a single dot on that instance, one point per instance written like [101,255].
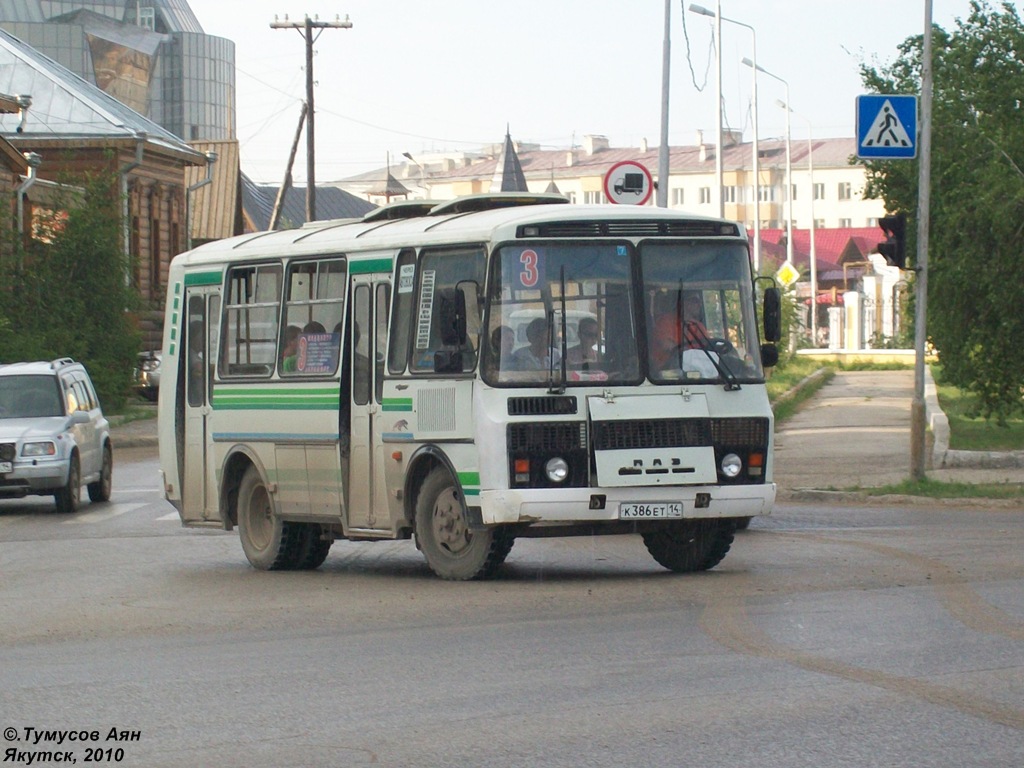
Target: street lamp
[789,165]
[813,255]
[423,186]
[718,154]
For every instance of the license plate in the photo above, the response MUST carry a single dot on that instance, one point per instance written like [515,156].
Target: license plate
[652,511]
[6,466]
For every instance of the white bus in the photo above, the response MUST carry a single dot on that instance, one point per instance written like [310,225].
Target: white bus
[467,373]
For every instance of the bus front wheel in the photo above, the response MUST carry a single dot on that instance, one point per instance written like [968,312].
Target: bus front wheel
[269,543]
[693,545]
[452,549]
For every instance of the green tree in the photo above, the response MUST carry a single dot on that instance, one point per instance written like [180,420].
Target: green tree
[975,292]
[65,292]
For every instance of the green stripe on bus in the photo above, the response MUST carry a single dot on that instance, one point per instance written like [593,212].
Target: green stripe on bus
[272,406]
[229,390]
[370,265]
[203,278]
[396,404]
[469,479]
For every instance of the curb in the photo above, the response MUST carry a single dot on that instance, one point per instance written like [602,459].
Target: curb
[942,456]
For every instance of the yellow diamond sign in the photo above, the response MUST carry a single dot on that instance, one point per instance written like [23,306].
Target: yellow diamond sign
[787,274]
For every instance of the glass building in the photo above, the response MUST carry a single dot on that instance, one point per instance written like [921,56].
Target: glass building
[151,55]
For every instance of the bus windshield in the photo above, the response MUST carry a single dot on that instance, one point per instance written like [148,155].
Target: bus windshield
[572,314]
[698,311]
[563,307]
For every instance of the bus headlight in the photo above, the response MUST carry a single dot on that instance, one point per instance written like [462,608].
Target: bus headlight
[731,465]
[557,470]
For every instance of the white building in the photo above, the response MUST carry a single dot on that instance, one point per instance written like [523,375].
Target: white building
[835,192]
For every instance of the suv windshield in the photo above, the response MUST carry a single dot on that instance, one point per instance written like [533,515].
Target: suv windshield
[556,307]
[23,397]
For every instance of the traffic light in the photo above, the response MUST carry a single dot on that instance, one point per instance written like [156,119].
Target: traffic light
[894,249]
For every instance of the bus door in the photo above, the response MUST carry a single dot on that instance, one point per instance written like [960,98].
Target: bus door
[198,356]
[367,494]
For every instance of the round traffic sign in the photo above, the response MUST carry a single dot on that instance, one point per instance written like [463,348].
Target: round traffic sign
[628,183]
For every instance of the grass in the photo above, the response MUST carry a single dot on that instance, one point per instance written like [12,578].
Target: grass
[940,490]
[970,432]
[781,382]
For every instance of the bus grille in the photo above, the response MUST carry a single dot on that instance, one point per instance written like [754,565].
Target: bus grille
[539,438]
[747,433]
[541,406]
[660,433]
[680,433]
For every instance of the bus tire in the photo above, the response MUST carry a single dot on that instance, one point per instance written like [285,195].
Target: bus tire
[312,549]
[452,550]
[693,545]
[269,543]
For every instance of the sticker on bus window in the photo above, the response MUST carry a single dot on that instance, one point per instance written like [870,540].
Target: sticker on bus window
[529,272]
[318,353]
[406,278]
[426,309]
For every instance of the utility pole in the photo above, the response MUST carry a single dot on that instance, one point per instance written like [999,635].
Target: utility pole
[286,184]
[306,28]
[917,405]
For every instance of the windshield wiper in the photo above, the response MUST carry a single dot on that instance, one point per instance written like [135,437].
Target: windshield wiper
[560,389]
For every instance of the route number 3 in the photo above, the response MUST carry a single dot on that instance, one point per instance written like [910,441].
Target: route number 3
[529,276]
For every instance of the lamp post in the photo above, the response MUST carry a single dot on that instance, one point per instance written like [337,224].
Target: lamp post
[423,186]
[789,164]
[813,254]
[718,154]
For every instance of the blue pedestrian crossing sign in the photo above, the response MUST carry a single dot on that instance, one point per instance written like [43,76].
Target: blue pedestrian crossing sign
[886,127]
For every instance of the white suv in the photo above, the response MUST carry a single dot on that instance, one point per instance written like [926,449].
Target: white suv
[53,436]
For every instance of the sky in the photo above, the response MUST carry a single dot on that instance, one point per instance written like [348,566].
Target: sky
[413,76]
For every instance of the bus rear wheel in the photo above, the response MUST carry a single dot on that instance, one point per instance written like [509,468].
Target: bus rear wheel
[693,545]
[269,543]
[452,549]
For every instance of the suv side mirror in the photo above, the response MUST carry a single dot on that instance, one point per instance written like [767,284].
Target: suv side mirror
[80,417]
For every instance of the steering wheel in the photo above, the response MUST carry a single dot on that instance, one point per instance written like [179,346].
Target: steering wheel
[720,346]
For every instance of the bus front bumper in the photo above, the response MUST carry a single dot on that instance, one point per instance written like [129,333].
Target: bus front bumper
[576,505]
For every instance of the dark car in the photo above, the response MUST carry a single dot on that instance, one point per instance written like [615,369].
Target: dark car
[146,376]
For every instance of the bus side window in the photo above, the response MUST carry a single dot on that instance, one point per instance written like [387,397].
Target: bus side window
[447,318]
[380,337]
[361,342]
[402,320]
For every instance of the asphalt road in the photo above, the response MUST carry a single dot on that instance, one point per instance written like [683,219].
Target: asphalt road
[838,636]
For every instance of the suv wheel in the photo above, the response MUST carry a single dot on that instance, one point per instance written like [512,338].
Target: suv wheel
[100,490]
[68,497]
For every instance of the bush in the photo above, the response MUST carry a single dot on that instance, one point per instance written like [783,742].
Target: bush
[66,292]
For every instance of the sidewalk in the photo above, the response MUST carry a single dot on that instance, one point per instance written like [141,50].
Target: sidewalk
[855,432]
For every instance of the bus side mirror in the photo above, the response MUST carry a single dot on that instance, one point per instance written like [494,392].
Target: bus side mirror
[452,316]
[769,355]
[772,314]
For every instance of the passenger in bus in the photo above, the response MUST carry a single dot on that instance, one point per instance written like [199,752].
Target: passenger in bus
[584,355]
[538,354]
[290,348]
[503,341]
